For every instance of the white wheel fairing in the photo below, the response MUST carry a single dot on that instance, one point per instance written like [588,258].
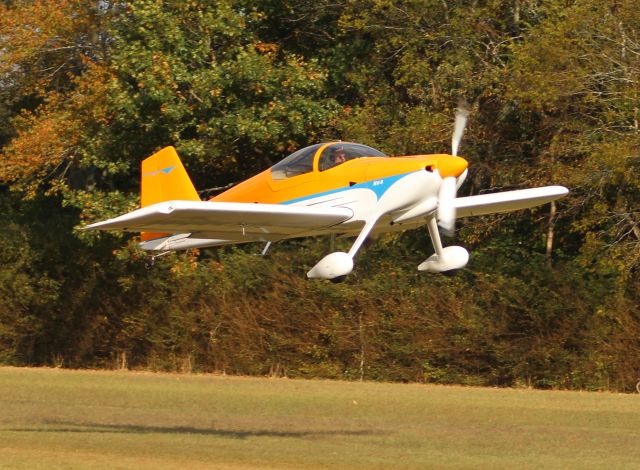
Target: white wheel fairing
[453,257]
[332,266]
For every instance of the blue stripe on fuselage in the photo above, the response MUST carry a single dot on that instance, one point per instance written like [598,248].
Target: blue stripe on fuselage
[378,186]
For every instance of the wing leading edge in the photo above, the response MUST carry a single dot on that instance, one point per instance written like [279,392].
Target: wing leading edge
[507,201]
[228,220]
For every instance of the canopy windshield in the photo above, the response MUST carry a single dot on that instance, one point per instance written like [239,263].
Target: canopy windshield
[301,161]
[297,163]
[341,152]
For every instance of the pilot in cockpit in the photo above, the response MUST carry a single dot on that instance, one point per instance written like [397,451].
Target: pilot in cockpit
[339,156]
[334,156]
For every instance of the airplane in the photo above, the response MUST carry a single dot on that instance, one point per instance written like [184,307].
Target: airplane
[333,188]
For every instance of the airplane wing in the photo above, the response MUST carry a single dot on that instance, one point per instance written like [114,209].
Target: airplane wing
[226,220]
[507,201]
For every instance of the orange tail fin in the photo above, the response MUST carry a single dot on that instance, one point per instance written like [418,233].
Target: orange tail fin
[164,178]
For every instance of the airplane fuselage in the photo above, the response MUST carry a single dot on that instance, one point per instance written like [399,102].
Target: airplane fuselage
[386,188]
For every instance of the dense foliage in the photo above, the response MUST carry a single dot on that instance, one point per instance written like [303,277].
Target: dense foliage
[551,296]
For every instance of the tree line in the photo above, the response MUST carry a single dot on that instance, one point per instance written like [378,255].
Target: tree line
[550,298]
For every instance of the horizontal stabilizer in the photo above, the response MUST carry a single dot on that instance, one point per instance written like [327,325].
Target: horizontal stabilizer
[228,220]
[507,201]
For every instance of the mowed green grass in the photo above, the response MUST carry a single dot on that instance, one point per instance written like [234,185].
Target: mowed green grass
[53,418]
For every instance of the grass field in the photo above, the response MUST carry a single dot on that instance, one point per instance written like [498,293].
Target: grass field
[52,418]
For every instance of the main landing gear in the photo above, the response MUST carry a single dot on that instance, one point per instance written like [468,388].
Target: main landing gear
[446,260]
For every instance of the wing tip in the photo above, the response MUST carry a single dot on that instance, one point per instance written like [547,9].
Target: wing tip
[560,190]
[94,226]
[104,225]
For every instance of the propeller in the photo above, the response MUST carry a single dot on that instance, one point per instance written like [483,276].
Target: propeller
[450,169]
[462,113]
[446,206]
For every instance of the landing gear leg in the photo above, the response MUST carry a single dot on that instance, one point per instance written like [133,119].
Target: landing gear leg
[266,249]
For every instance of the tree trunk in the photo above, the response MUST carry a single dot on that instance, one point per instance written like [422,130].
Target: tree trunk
[550,229]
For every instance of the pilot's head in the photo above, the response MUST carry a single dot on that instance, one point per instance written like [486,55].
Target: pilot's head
[339,155]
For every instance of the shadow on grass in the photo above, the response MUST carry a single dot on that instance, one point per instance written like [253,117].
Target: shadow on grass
[62,427]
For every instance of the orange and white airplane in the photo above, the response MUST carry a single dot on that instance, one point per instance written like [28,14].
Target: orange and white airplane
[336,188]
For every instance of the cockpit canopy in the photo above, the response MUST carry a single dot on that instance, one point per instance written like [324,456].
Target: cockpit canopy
[327,156]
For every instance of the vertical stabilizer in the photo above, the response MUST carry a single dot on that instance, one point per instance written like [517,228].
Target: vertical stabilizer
[164,178]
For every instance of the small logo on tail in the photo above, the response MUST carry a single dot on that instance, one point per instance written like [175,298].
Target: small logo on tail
[166,171]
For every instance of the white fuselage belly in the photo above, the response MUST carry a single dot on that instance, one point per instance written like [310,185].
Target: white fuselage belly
[381,196]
